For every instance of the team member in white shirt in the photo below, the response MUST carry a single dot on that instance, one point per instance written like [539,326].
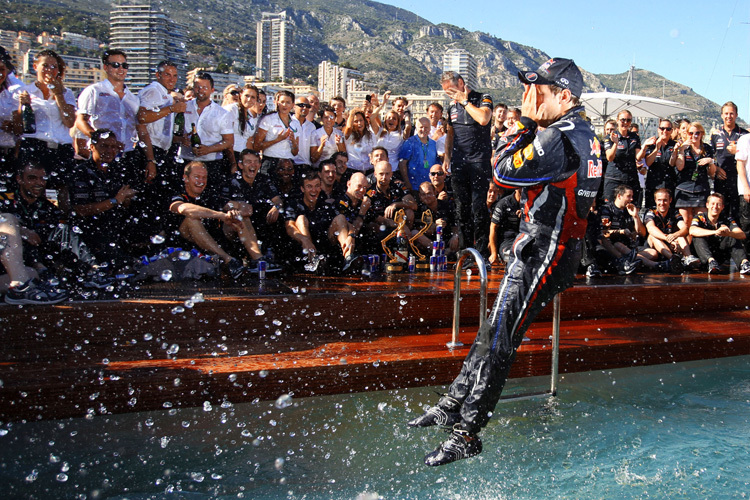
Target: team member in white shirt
[7,138]
[159,104]
[304,135]
[214,127]
[359,141]
[110,105]
[54,109]
[277,134]
[244,117]
[327,140]
[743,184]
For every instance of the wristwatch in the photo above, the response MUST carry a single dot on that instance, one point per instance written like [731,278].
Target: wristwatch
[113,201]
[465,103]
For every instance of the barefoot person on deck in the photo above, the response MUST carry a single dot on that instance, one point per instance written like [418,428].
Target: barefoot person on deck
[559,169]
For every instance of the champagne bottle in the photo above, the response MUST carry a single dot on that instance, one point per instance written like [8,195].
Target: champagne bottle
[195,139]
[179,124]
[29,119]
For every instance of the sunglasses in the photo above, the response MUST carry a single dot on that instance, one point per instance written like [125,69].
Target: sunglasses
[234,92]
[303,105]
[116,65]
[668,129]
[626,120]
[695,133]
[437,174]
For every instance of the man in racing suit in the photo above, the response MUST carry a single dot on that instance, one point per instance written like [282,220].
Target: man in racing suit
[559,169]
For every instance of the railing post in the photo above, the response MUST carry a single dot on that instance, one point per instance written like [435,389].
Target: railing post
[457,293]
[555,343]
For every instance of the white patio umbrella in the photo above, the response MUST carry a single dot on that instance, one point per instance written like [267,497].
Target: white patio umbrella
[606,104]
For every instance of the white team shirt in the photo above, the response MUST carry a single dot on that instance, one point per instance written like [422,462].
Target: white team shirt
[330,147]
[211,124]
[49,124]
[743,153]
[241,138]
[274,127]
[107,110]
[305,139]
[392,142]
[154,97]
[359,152]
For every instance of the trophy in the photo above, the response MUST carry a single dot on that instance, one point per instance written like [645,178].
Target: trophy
[421,260]
[397,261]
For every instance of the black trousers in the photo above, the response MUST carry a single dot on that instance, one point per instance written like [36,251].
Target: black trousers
[720,249]
[744,220]
[728,187]
[539,268]
[470,184]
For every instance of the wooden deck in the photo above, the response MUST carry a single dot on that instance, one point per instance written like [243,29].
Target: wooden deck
[310,336]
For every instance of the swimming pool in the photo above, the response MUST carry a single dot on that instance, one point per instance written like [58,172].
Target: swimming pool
[667,431]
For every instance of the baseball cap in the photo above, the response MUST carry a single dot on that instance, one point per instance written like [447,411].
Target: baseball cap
[557,71]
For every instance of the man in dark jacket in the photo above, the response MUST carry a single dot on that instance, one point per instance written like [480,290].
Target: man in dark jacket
[559,169]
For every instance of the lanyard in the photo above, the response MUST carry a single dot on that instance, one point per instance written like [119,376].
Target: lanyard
[425,148]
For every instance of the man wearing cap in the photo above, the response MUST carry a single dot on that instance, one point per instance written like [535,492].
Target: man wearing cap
[559,171]
[468,151]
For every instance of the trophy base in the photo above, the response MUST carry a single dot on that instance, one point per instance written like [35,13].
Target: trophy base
[395,267]
[422,267]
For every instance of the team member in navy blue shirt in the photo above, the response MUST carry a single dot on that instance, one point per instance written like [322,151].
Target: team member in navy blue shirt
[621,148]
[716,236]
[210,223]
[667,231]
[724,144]
[257,190]
[468,151]
[658,152]
[506,219]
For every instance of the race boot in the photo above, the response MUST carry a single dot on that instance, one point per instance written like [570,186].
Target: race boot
[461,444]
[445,414]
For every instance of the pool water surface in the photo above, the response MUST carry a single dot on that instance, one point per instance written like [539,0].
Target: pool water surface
[666,431]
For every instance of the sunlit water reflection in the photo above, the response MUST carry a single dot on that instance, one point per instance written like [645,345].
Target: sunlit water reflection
[670,431]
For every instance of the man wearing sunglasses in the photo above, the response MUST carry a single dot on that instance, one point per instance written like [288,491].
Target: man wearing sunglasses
[110,105]
[657,152]
[441,182]
[304,136]
[621,148]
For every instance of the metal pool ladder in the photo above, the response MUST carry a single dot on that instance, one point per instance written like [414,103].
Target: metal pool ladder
[463,254]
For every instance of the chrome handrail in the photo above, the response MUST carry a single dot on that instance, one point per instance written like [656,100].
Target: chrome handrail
[555,358]
[555,343]
[457,293]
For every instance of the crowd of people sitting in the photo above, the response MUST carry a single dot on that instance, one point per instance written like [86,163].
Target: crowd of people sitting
[168,183]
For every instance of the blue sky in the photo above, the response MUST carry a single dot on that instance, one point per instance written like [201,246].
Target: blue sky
[702,44]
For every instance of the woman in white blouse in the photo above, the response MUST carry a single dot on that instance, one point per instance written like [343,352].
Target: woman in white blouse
[326,140]
[244,119]
[276,135]
[359,141]
[390,135]
[54,108]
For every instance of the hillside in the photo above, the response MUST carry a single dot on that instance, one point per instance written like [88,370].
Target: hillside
[395,48]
